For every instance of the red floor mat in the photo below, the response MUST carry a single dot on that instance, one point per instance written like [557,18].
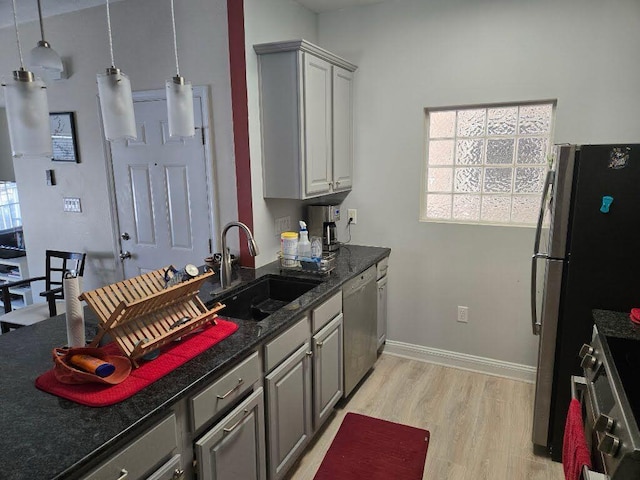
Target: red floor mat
[172,356]
[373,449]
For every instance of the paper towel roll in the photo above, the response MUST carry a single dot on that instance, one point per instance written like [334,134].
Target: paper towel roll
[74,312]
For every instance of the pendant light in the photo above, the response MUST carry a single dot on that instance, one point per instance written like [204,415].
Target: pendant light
[43,58]
[179,96]
[27,109]
[116,99]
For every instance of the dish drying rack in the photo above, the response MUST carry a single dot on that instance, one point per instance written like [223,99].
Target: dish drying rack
[294,263]
[142,315]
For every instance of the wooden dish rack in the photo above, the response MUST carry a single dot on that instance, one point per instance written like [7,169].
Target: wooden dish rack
[142,315]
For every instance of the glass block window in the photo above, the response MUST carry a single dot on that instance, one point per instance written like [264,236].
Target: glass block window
[486,164]
[9,206]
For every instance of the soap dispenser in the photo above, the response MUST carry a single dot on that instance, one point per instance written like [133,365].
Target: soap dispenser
[304,245]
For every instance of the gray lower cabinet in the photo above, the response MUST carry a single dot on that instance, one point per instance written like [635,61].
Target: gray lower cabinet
[289,422]
[234,448]
[146,456]
[327,370]
[172,470]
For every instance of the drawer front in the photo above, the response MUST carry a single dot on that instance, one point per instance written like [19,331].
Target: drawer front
[280,348]
[327,311]
[382,267]
[224,391]
[142,456]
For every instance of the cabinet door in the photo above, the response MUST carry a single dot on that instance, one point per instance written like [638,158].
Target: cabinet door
[317,127]
[235,447]
[382,311]
[342,129]
[288,411]
[327,370]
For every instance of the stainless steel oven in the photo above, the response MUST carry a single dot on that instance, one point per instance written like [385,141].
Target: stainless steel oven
[611,404]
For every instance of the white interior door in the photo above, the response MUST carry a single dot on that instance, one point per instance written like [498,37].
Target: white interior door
[161,191]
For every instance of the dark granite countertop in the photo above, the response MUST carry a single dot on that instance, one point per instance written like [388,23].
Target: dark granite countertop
[616,324]
[47,437]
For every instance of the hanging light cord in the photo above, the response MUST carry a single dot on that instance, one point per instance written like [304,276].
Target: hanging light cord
[113,63]
[175,41]
[40,17]
[15,24]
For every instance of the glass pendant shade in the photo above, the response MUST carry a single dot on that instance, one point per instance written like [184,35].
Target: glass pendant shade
[116,105]
[180,108]
[45,57]
[28,117]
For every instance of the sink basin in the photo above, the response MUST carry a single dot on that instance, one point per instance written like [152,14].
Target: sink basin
[269,294]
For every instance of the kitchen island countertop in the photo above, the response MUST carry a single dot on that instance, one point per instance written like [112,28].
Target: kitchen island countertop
[47,437]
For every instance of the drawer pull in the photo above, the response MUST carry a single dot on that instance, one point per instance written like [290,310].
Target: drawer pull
[123,474]
[222,397]
[233,427]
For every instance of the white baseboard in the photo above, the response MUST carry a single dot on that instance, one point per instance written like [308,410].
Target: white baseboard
[489,366]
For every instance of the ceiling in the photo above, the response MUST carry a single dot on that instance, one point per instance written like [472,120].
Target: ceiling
[320,6]
[27,10]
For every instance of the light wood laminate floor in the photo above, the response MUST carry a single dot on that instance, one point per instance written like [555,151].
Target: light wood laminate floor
[480,424]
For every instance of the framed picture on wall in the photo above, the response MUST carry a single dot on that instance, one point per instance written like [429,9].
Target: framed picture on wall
[63,137]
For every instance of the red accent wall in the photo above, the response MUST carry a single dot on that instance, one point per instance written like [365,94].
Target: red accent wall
[238,66]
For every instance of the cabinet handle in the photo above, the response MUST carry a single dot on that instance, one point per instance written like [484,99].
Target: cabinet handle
[319,344]
[178,474]
[123,474]
[233,427]
[309,354]
[222,397]
[337,183]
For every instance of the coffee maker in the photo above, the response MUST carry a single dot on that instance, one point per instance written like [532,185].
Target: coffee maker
[322,224]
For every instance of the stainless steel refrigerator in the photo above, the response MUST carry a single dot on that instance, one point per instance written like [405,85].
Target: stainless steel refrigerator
[586,256]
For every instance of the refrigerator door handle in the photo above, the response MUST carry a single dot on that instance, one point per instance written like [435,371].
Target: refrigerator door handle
[535,324]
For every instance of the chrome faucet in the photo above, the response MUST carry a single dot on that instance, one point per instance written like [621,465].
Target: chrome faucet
[225,266]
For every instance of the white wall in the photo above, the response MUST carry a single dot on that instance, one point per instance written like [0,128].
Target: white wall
[144,50]
[270,21]
[414,54]
[6,161]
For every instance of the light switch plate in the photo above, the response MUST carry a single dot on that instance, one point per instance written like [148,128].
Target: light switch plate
[72,204]
[352,214]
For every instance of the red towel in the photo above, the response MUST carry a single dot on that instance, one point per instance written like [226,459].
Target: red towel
[575,453]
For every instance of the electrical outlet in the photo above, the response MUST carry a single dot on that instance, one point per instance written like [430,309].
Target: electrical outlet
[282,224]
[72,205]
[463,314]
[352,214]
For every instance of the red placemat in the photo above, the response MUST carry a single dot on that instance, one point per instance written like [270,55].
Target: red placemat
[171,357]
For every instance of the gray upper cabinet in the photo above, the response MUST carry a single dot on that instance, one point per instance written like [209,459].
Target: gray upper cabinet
[306,102]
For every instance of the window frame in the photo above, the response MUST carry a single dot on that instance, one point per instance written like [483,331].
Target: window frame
[486,106]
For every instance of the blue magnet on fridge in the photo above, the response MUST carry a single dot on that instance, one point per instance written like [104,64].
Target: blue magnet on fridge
[606,204]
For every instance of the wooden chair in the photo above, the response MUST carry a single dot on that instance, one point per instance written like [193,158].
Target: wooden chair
[58,263]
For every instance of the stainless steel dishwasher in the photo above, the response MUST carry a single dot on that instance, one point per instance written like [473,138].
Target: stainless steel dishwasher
[360,327]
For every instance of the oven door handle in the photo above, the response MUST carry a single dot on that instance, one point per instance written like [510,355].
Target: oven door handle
[578,389]
[591,475]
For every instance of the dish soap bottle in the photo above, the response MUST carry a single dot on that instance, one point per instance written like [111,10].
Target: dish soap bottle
[304,245]
[316,249]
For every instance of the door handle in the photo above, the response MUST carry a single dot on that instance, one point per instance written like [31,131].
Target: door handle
[535,324]
[124,255]
[125,236]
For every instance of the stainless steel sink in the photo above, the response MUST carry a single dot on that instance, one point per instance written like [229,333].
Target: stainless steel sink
[267,295]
